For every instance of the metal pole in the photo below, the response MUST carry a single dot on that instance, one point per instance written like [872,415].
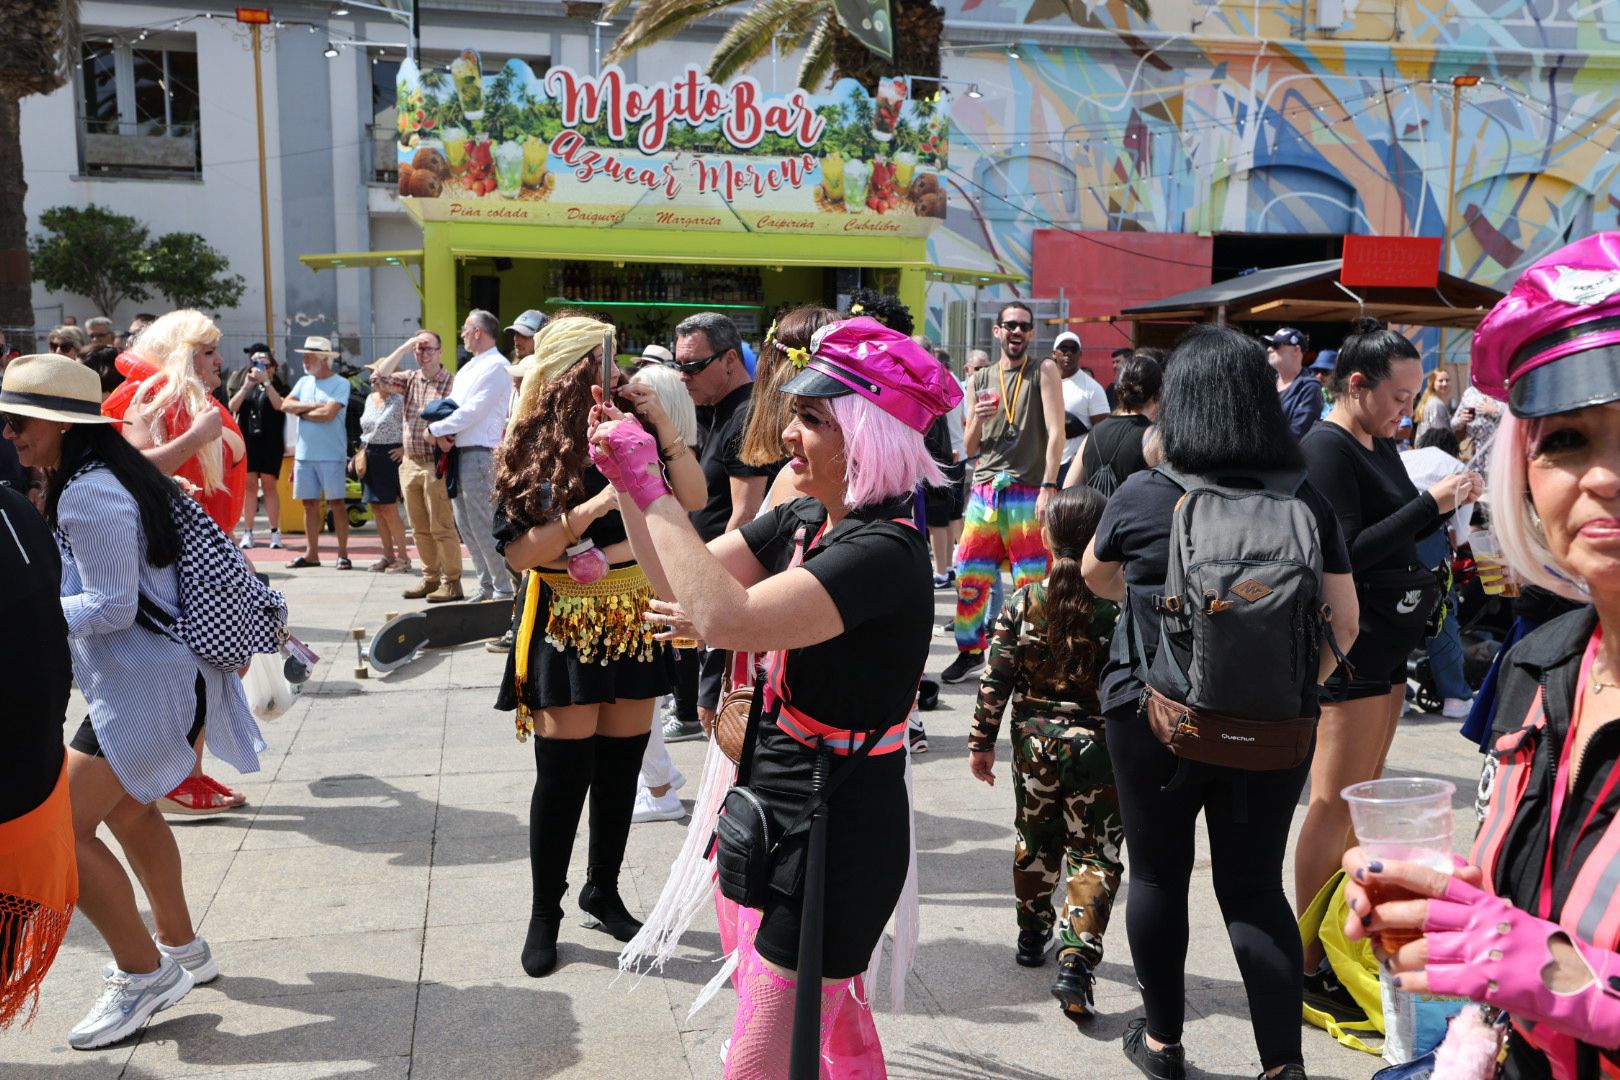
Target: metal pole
[264,189]
[804,1058]
[1451,179]
[416,28]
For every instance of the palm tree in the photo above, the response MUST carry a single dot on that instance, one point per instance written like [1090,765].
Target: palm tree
[42,45]
[829,49]
[787,25]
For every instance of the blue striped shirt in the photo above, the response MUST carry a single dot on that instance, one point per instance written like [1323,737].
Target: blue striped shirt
[140,684]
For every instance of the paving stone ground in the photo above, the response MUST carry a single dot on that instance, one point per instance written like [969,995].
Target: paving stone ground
[367,909]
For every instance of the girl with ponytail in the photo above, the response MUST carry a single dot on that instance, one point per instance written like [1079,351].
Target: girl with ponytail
[1045,656]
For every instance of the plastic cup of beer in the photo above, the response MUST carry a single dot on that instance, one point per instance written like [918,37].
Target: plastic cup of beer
[1406,818]
[989,397]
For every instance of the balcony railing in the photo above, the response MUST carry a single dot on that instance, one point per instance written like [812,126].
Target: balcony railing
[382,155]
[145,150]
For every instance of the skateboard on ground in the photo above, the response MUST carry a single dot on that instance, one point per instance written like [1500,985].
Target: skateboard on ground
[438,627]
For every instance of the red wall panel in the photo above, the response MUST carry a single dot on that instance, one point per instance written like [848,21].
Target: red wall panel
[1102,273]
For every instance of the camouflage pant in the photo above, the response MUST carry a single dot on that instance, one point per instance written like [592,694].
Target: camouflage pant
[1068,820]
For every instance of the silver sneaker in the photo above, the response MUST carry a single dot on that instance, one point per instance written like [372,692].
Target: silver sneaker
[127,1002]
[196,958]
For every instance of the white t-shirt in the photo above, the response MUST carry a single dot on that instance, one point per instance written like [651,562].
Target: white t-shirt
[1083,397]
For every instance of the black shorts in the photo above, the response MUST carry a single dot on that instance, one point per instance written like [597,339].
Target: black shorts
[1395,610]
[85,741]
[868,848]
[382,476]
[956,475]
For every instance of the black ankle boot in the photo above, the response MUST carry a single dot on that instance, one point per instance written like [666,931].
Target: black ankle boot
[604,910]
[540,947]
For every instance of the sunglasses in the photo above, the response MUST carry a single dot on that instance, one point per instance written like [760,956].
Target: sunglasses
[694,367]
[1013,324]
[16,423]
[60,346]
[1068,347]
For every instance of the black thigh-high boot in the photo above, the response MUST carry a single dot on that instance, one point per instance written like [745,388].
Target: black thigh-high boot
[563,770]
[613,798]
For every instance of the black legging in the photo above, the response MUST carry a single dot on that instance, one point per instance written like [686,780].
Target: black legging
[1247,814]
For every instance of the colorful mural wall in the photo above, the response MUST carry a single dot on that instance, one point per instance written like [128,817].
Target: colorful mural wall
[1231,117]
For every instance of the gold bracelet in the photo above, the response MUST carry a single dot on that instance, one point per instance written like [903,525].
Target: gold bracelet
[679,448]
[568,533]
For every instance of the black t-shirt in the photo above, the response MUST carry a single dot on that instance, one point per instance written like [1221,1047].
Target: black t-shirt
[33,639]
[1135,530]
[263,427]
[720,432]
[1381,513]
[879,575]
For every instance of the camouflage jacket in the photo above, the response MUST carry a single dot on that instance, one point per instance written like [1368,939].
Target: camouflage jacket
[1012,671]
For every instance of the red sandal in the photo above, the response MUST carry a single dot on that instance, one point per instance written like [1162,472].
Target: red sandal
[201,796]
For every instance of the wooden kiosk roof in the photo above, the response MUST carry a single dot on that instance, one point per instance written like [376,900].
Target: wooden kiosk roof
[1311,292]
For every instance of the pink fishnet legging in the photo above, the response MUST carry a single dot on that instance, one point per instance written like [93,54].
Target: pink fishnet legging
[762,1033]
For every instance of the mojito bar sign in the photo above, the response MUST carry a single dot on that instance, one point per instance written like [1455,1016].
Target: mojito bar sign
[690,153]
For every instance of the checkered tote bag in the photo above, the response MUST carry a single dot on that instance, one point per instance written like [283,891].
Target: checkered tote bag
[226,613]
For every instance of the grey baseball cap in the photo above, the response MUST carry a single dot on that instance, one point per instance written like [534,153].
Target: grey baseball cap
[529,323]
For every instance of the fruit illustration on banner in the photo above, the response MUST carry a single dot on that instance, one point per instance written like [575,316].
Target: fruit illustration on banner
[534,162]
[832,175]
[455,148]
[467,72]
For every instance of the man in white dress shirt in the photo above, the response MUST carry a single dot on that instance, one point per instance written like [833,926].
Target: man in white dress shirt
[482,392]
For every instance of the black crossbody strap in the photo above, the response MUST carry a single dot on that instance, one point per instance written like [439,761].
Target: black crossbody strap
[819,799]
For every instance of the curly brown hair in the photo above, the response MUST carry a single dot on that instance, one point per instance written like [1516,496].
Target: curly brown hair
[548,446]
[768,409]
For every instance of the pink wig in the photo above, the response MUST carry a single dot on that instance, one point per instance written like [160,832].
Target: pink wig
[1513,517]
[883,457]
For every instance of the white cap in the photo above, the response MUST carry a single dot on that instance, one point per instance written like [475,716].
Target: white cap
[657,354]
[1066,337]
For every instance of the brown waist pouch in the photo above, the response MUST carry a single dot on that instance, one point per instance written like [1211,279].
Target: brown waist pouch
[1257,745]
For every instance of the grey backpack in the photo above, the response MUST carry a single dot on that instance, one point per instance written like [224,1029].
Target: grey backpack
[1241,613]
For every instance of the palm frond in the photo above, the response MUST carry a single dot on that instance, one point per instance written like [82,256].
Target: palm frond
[818,55]
[750,38]
[660,20]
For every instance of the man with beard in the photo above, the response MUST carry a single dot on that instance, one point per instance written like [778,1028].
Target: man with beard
[1015,426]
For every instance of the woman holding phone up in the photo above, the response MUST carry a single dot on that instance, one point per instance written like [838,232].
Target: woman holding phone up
[584,671]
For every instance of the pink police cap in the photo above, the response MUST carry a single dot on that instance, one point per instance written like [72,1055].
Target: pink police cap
[1552,345]
[862,356]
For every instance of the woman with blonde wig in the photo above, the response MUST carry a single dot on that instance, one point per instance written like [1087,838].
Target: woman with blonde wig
[584,670]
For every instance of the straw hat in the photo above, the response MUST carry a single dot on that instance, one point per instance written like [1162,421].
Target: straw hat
[53,387]
[319,346]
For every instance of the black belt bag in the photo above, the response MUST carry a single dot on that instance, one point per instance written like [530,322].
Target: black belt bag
[1397,602]
[748,841]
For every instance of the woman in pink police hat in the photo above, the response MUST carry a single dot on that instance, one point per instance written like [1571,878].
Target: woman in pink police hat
[1531,926]
[837,588]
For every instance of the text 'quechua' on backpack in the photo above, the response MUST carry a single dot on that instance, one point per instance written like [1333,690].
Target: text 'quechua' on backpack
[226,613]
[1234,679]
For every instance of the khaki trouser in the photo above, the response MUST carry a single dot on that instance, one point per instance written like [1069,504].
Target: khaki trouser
[433,523]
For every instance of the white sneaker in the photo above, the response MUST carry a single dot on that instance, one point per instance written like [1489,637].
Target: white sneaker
[247,540]
[196,958]
[650,807]
[127,1002]
[1456,708]
[275,538]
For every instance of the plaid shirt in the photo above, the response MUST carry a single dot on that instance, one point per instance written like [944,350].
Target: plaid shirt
[419,391]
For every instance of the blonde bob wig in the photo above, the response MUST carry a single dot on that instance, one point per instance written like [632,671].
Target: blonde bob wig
[170,344]
[1513,516]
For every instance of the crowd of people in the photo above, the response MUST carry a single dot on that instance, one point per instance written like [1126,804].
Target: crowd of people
[1204,616]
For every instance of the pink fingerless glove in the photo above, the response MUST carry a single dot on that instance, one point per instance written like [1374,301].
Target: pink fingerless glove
[631,463]
[1484,948]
